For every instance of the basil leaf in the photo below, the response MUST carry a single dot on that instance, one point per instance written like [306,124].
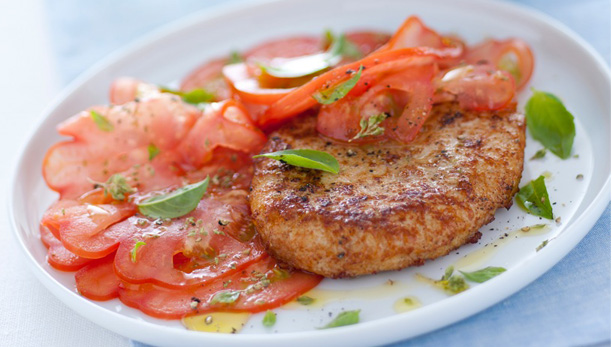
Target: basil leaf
[235,58]
[539,154]
[153,151]
[194,96]
[305,300]
[344,318]
[101,122]
[484,274]
[308,158]
[269,319]
[335,93]
[135,249]
[371,126]
[175,204]
[341,46]
[550,123]
[227,297]
[533,198]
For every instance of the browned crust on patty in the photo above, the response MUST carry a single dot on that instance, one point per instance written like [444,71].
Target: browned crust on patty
[391,206]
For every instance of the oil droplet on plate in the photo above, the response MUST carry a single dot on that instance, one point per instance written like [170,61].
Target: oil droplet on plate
[406,304]
[217,322]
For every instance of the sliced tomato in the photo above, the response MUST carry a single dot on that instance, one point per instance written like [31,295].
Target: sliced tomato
[300,99]
[511,55]
[368,41]
[84,227]
[97,280]
[96,154]
[225,124]
[208,76]
[214,239]
[477,87]
[413,33]
[401,90]
[261,286]
[57,255]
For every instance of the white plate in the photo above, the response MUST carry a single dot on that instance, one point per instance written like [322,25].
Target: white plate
[565,66]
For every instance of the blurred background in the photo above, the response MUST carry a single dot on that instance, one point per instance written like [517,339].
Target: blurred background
[48,43]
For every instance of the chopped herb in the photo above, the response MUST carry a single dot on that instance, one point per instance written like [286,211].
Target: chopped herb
[542,245]
[371,126]
[533,198]
[235,58]
[550,123]
[153,151]
[305,300]
[539,154]
[452,284]
[269,319]
[116,186]
[337,92]
[307,158]
[195,96]
[483,275]
[175,204]
[101,122]
[135,249]
[227,297]
[343,319]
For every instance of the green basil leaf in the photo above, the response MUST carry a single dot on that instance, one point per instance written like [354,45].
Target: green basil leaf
[269,319]
[194,96]
[153,151]
[305,300]
[371,126]
[135,249]
[341,46]
[227,297]
[344,318]
[484,274]
[235,58]
[550,123]
[101,122]
[448,273]
[335,93]
[175,204]
[539,154]
[307,158]
[533,198]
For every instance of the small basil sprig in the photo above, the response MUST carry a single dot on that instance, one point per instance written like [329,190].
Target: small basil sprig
[101,122]
[335,93]
[483,275]
[175,204]
[533,198]
[307,158]
[344,318]
[371,126]
[194,96]
[550,123]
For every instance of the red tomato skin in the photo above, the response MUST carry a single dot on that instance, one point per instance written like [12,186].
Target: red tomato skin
[208,76]
[97,280]
[57,255]
[177,303]
[203,243]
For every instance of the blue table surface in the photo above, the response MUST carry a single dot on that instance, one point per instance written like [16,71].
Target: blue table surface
[567,306]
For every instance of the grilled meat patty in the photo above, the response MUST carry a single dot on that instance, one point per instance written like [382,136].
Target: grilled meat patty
[392,205]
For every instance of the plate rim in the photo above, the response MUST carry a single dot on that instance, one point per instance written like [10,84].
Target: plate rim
[506,285]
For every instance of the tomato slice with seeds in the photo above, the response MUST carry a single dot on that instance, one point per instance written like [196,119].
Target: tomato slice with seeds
[214,239]
[511,55]
[57,255]
[401,90]
[261,286]
[97,280]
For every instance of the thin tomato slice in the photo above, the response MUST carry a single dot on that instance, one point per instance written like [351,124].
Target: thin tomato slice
[57,255]
[97,280]
[208,76]
[260,286]
[225,124]
[401,90]
[511,55]
[215,239]
[477,87]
